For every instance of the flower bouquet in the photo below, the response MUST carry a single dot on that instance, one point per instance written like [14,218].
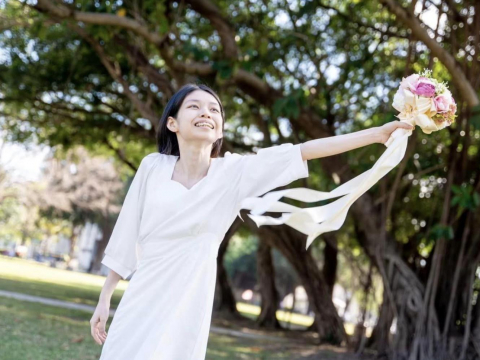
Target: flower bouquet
[423,101]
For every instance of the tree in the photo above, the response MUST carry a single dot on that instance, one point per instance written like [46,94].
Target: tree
[289,72]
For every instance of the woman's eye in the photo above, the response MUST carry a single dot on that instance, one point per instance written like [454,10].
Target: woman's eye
[197,107]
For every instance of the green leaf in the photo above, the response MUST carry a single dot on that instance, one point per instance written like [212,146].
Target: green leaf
[439,231]
[278,107]
[290,105]
[224,68]
[465,197]
[476,199]
[475,118]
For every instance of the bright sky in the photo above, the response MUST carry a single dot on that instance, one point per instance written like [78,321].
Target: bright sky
[22,164]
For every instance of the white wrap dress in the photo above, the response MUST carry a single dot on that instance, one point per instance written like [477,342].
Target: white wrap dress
[168,237]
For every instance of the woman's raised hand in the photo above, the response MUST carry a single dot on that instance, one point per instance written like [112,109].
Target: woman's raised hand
[99,321]
[386,130]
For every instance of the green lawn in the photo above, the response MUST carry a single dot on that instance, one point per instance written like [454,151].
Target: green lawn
[30,277]
[36,331]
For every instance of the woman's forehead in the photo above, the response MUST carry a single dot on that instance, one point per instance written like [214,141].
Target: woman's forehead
[200,96]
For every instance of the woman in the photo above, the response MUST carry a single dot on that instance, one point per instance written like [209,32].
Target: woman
[174,217]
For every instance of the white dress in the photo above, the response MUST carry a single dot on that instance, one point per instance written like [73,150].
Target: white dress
[168,237]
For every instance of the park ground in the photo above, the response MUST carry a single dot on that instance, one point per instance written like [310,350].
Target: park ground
[34,330]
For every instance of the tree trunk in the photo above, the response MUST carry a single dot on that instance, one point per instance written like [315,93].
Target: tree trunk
[447,300]
[381,333]
[291,244]
[224,300]
[73,243]
[330,254]
[403,290]
[476,328]
[266,280]
[107,228]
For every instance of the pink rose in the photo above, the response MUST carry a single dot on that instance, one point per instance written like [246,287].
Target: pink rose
[442,103]
[424,88]
[410,82]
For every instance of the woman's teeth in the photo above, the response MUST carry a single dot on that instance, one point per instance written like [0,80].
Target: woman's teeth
[204,125]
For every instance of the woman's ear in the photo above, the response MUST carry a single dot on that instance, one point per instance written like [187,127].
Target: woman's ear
[172,124]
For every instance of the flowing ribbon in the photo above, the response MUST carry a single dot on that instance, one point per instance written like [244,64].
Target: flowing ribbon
[315,221]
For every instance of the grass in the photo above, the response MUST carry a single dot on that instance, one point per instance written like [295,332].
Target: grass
[37,331]
[282,316]
[32,278]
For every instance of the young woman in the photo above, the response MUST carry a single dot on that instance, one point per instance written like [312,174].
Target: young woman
[178,208]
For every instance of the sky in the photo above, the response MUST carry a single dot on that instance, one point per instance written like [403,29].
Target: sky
[22,164]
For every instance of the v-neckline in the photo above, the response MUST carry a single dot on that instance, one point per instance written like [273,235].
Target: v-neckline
[172,170]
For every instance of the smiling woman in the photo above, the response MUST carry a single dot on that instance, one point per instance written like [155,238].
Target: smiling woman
[173,220]
[181,203]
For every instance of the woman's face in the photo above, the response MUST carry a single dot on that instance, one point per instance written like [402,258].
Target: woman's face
[198,107]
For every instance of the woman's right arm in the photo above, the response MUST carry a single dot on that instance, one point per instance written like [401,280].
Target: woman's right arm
[102,311]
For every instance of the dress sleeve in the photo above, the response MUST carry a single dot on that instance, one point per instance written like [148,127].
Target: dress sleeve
[121,253]
[270,168]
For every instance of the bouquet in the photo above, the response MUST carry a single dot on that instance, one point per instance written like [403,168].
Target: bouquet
[423,101]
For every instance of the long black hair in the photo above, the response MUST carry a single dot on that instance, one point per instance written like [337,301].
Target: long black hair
[167,140]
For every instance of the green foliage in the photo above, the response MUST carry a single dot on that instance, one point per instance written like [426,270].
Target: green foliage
[475,118]
[224,68]
[199,54]
[240,257]
[157,16]
[290,105]
[465,197]
[439,231]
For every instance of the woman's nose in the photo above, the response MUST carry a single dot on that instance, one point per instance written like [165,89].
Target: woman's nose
[206,113]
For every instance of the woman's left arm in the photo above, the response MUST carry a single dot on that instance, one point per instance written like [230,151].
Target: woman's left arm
[333,145]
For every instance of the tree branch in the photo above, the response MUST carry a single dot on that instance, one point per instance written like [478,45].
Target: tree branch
[222,25]
[63,11]
[115,72]
[458,76]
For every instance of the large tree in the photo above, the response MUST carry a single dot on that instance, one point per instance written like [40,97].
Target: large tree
[289,71]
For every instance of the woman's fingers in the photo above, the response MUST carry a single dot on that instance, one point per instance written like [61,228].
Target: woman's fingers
[94,331]
[405,125]
[92,328]
[101,329]
[101,338]
[95,337]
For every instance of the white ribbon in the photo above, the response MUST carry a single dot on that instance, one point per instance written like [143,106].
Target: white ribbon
[315,221]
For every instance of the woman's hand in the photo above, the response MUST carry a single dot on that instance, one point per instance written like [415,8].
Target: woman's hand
[386,130]
[98,322]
